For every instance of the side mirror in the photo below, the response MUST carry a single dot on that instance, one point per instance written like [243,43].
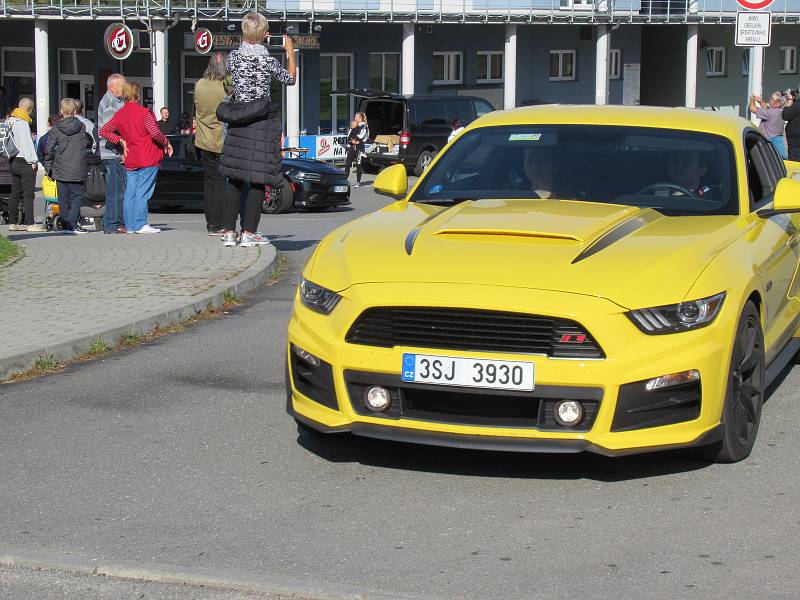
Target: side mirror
[785,200]
[393,182]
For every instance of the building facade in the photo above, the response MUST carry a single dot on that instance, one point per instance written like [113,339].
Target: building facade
[510,52]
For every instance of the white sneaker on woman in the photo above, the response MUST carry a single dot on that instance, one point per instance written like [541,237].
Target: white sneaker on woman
[148,229]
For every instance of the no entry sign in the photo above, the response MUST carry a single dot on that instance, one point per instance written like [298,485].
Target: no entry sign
[755,5]
[753,28]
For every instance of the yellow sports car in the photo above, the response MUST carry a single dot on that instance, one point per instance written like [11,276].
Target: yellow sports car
[562,278]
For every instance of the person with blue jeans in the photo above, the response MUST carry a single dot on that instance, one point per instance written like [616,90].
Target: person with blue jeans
[771,117]
[110,154]
[143,148]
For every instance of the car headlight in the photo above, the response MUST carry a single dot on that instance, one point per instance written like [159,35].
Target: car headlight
[305,176]
[318,298]
[684,316]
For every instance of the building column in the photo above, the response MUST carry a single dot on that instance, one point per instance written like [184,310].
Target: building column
[407,60]
[510,67]
[158,61]
[41,49]
[691,66]
[293,108]
[601,65]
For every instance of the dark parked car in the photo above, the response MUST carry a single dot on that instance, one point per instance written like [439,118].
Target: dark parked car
[308,184]
[5,189]
[417,127]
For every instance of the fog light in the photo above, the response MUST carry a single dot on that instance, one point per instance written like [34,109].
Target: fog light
[377,398]
[568,413]
[671,380]
[306,356]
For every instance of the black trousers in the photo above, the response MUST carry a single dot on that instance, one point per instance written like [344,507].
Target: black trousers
[794,149]
[353,157]
[23,184]
[213,189]
[252,205]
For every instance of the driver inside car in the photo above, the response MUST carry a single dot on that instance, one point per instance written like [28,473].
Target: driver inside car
[539,167]
[686,169]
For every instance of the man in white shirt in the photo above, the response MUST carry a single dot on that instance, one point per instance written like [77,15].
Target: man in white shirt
[23,168]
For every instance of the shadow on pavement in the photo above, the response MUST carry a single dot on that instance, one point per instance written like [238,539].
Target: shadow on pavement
[452,461]
[283,244]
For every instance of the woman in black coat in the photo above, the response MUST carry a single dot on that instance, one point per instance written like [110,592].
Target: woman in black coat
[251,154]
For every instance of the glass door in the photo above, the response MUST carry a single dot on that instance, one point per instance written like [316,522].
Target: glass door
[80,88]
[336,110]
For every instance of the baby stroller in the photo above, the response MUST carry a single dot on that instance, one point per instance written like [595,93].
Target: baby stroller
[92,210]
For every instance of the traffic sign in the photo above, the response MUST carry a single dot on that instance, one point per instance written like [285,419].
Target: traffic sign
[753,28]
[755,5]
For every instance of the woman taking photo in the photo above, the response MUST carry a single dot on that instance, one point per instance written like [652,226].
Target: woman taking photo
[355,146]
[143,147]
[252,149]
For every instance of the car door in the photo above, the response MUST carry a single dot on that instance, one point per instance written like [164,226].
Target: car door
[180,178]
[776,244]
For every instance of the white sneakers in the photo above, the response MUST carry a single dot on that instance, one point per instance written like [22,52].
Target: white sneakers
[147,229]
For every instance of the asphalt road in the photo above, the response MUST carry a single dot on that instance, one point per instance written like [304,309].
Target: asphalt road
[180,452]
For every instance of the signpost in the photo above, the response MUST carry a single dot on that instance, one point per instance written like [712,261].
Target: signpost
[754,30]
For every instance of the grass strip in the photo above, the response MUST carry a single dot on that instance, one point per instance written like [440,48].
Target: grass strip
[8,250]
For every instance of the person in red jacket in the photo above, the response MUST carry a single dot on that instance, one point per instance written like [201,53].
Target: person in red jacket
[143,147]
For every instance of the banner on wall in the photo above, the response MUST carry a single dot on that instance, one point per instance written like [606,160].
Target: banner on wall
[331,147]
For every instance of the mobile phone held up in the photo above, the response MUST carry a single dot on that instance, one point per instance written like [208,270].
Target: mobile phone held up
[274,41]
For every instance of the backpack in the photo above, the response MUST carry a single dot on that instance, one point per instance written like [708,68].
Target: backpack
[8,147]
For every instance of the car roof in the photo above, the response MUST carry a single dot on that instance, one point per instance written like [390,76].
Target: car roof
[383,95]
[691,119]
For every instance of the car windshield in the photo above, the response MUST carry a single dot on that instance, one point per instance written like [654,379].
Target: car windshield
[676,172]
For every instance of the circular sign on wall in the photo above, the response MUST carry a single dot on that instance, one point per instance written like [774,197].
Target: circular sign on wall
[203,40]
[755,4]
[118,41]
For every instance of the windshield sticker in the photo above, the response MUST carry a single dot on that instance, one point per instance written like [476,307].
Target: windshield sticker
[524,137]
[436,189]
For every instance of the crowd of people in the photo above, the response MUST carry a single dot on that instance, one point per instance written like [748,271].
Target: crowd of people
[237,133]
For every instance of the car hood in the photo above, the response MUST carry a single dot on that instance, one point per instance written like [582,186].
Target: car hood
[631,256]
[311,166]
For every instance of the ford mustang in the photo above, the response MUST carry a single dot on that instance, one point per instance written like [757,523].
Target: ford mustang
[560,279]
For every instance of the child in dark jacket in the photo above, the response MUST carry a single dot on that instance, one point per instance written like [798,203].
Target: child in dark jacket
[65,160]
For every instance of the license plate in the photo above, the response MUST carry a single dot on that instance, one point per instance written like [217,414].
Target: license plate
[339,189]
[468,372]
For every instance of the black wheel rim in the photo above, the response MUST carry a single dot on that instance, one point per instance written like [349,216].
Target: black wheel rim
[748,380]
[272,200]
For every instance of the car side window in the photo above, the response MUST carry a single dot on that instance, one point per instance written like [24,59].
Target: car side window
[482,108]
[761,179]
[430,113]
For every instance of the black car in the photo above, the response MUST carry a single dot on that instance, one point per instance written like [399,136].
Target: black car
[309,184]
[410,130]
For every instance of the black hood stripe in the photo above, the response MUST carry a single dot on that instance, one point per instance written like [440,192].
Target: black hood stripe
[616,234]
[411,238]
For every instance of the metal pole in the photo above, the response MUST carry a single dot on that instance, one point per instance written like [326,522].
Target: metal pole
[601,65]
[293,108]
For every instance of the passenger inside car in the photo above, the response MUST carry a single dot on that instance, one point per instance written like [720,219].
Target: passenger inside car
[539,166]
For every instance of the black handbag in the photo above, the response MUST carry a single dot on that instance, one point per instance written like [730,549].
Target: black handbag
[96,184]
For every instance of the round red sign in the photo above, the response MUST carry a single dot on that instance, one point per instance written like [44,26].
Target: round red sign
[118,41]
[203,40]
[755,5]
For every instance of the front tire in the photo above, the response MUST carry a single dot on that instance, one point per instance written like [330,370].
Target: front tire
[280,200]
[744,398]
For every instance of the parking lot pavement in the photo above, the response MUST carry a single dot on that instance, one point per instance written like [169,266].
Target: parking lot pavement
[68,290]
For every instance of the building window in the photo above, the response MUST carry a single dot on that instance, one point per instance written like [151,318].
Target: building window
[384,71]
[788,59]
[335,110]
[615,64]
[490,67]
[18,72]
[715,62]
[746,62]
[562,65]
[447,67]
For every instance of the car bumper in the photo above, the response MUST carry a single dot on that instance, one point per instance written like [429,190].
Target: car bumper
[386,160]
[626,418]
[309,194]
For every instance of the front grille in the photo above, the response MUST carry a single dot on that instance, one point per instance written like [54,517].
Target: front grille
[469,329]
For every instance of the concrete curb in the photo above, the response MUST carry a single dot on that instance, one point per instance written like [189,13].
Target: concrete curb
[193,576]
[175,312]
